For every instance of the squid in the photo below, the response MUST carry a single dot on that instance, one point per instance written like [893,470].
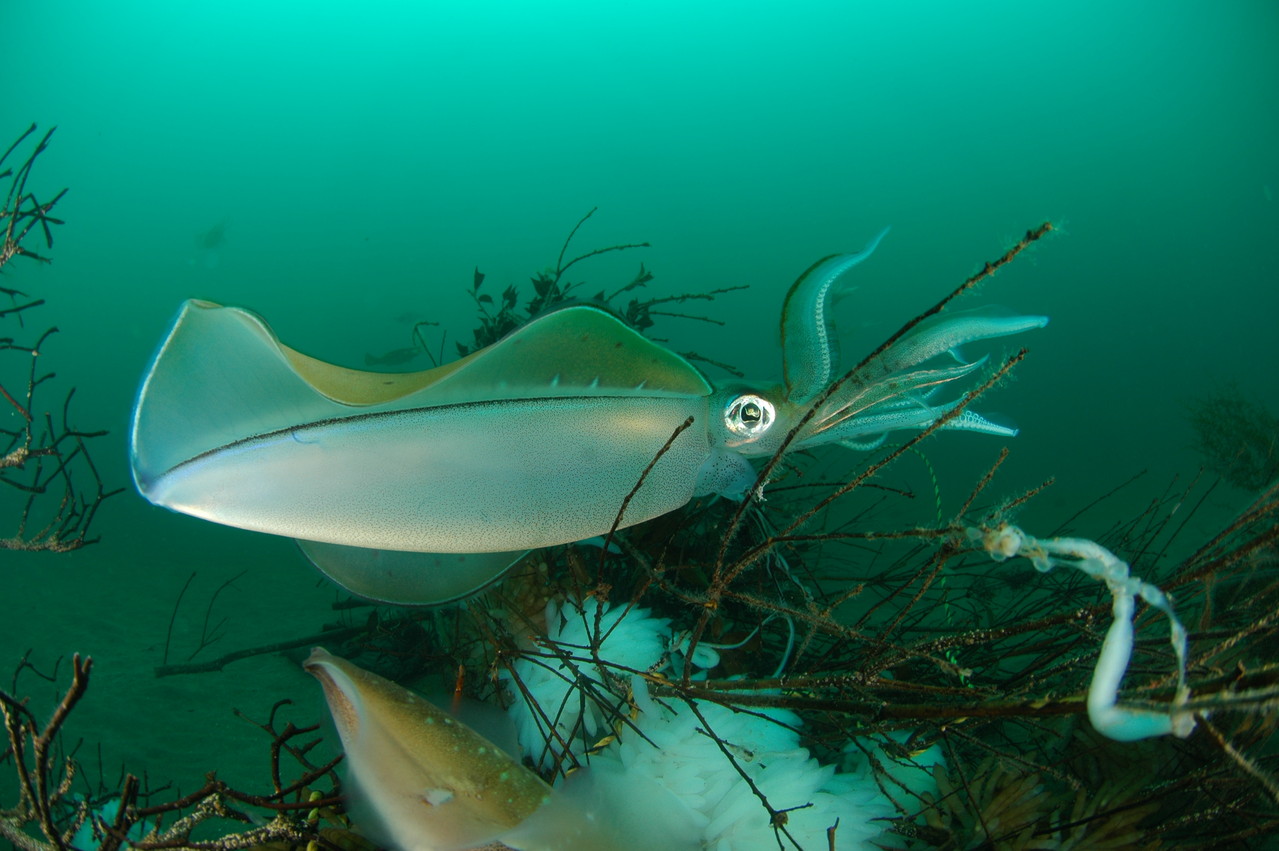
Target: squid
[424,487]
[433,783]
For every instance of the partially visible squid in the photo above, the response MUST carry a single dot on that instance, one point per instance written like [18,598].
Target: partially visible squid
[424,487]
[435,784]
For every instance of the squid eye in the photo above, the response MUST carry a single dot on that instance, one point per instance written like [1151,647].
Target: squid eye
[748,415]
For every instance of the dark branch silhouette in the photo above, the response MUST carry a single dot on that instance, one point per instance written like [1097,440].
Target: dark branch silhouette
[45,460]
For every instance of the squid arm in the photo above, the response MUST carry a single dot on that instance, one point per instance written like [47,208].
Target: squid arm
[864,400]
[866,404]
[946,332]
[810,353]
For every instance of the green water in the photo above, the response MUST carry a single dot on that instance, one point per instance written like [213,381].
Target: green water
[361,162]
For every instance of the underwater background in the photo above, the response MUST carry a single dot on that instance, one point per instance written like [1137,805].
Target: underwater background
[342,171]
